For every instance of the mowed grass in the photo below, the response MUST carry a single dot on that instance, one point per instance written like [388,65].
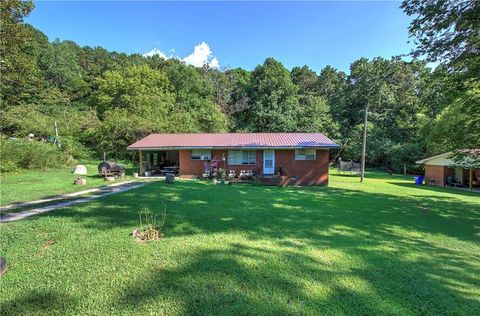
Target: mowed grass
[34,185]
[382,247]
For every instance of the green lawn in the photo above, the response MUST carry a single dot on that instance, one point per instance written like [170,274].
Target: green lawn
[34,185]
[382,247]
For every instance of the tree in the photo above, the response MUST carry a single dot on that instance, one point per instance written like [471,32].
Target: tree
[61,69]
[457,127]
[313,111]
[438,90]
[132,102]
[138,89]
[390,88]
[332,85]
[194,97]
[138,100]
[447,31]
[273,98]
[237,100]
[20,76]
[305,79]
[314,116]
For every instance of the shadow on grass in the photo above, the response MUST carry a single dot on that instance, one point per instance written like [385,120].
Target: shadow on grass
[298,250]
[240,279]
[38,302]
[436,189]
[263,212]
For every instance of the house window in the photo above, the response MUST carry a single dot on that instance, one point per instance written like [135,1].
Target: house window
[241,157]
[305,154]
[201,154]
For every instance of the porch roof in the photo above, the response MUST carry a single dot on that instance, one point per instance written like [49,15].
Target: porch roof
[233,140]
[444,159]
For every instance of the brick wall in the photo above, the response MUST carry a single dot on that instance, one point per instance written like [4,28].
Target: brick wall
[306,172]
[190,168]
[436,173]
[194,168]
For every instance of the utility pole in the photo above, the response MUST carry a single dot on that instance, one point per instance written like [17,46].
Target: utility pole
[364,147]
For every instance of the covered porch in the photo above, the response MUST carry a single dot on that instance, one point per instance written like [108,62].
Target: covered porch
[455,177]
[463,178]
[158,162]
[442,170]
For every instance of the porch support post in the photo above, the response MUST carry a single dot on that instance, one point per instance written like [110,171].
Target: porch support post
[470,176]
[140,161]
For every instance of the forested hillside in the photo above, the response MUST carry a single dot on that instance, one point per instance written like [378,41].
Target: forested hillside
[103,101]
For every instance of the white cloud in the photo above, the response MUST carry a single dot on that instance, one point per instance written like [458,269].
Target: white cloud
[202,55]
[214,63]
[154,52]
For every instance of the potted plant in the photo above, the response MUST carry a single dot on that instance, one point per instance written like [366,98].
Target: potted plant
[221,175]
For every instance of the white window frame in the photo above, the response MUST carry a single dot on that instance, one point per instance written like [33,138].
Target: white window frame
[201,154]
[305,154]
[235,157]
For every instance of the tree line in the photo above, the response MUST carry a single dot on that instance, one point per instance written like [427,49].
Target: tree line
[104,101]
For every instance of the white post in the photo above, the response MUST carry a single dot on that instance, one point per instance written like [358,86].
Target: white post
[364,147]
[56,135]
[470,174]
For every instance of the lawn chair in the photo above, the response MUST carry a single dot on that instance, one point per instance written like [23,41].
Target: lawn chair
[206,174]
[249,174]
[231,174]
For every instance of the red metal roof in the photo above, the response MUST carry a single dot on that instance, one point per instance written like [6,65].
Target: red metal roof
[231,140]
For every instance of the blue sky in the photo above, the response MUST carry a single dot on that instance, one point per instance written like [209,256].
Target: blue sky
[235,34]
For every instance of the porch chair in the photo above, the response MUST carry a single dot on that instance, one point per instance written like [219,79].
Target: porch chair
[231,174]
[243,174]
[452,182]
[249,174]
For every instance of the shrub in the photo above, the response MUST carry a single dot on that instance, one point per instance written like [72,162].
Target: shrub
[75,148]
[8,166]
[406,154]
[20,154]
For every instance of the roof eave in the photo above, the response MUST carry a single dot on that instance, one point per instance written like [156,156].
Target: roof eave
[333,146]
[433,157]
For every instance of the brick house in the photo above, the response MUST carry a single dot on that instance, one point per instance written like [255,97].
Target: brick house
[439,168]
[282,158]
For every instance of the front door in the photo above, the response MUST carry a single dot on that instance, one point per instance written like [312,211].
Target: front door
[268,161]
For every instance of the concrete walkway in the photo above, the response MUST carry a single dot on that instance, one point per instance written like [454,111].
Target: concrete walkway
[105,191]
[61,197]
